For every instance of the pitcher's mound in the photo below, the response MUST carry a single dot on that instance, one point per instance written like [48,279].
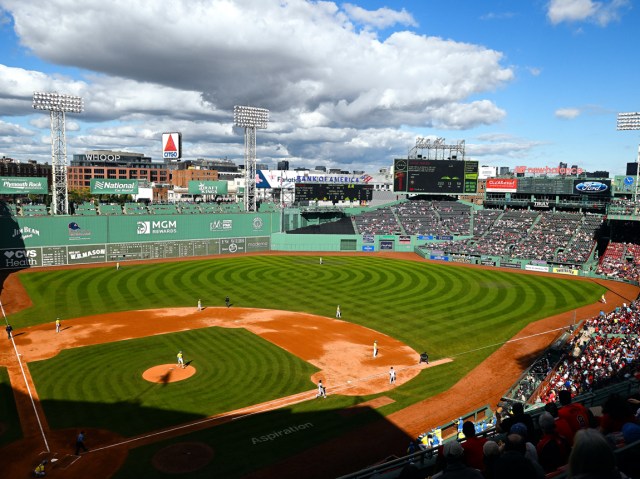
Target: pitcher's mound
[168,373]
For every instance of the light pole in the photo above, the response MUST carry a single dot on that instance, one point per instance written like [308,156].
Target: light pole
[250,118]
[57,105]
[631,121]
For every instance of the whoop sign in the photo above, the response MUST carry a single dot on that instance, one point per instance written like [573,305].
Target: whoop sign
[172,145]
[113,187]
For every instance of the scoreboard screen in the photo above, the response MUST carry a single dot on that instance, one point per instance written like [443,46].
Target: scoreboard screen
[333,192]
[435,176]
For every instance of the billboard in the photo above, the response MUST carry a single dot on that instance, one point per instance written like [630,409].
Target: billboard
[333,192]
[16,185]
[288,179]
[172,146]
[624,184]
[208,188]
[592,188]
[435,176]
[113,187]
[502,185]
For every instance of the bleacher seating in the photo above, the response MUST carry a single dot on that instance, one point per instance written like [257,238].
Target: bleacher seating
[163,209]
[190,208]
[86,209]
[377,222]
[135,209]
[34,210]
[110,209]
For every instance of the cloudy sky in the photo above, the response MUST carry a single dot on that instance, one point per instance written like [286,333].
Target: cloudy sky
[350,85]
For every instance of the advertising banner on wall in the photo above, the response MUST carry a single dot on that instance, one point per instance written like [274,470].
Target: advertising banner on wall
[17,186]
[502,185]
[110,186]
[592,188]
[208,188]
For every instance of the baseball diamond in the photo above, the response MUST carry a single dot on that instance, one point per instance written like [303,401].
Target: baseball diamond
[255,365]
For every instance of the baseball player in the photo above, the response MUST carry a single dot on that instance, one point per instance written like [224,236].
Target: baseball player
[322,391]
[180,359]
[199,305]
[57,325]
[375,348]
[338,312]
[392,376]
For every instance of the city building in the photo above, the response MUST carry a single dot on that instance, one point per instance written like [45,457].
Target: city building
[118,165]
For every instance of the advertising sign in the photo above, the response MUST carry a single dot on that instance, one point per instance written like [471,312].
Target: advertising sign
[535,267]
[368,248]
[502,185]
[208,187]
[288,179]
[109,186]
[15,185]
[172,146]
[592,188]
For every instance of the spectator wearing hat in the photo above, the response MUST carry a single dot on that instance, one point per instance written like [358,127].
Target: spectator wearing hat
[514,464]
[517,415]
[553,449]
[530,450]
[455,467]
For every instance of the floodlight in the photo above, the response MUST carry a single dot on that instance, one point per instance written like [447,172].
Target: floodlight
[58,104]
[250,118]
[631,121]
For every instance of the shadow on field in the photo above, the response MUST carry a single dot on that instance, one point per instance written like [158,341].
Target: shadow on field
[259,445]
[13,255]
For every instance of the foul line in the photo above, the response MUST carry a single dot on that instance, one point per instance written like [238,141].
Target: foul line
[26,382]
[511,341]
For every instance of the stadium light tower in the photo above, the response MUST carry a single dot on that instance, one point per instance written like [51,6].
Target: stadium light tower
[250,118]
[631,121]
[57,105]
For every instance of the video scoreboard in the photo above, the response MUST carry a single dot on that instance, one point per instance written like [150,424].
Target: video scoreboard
[333,192]
[435,176]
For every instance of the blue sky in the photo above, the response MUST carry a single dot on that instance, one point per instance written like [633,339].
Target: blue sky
[350,85]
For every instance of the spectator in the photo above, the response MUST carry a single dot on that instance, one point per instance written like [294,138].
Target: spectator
[553,449]
[517,415]
[574,413]
[455,467]
[615,413]
[562,426]
[473,446]
[592,457]
[491,451]
[513,463]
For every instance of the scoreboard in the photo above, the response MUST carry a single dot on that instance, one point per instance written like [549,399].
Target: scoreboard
[333,192]
[435,176]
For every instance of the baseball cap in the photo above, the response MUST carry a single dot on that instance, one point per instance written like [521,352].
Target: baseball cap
[453,449]
[519,428]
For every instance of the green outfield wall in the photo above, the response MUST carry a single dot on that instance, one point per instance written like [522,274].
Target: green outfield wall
[61,240]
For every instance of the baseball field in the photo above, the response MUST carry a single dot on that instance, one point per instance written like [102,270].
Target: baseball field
[248,401]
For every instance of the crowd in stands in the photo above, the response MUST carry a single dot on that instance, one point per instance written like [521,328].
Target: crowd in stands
[620,261]
[566,439]
[378,222]
[623,206]
[605,349]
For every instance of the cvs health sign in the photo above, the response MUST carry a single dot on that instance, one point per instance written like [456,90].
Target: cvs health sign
[172,145]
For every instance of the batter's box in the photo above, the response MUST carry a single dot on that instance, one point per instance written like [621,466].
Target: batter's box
[65,461]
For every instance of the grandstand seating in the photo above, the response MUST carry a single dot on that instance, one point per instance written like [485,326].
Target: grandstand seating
[110,209]
[86,209]
[135,209]
[620,261]
[34,210]
[378,222]
[163,209]
[190,208]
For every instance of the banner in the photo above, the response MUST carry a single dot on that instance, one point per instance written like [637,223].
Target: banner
[533,267]
[110,186]
[16,185]
[208,188]
[560,270]
[502,185]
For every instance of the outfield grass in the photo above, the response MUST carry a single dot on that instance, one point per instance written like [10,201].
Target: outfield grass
[432,307]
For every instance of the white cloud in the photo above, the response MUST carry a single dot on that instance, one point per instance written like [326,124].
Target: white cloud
[567,113]
[601,13]
[156,67]
[380,18]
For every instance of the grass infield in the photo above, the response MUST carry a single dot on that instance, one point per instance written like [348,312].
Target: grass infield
[442,309]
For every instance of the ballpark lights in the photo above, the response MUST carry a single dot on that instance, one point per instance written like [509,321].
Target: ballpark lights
[250,117]
[57,102]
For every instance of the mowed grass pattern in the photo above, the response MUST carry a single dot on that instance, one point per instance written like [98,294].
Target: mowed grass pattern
[445,310]
[102,386]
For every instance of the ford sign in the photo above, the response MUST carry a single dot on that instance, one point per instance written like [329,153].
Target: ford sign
[591,187]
